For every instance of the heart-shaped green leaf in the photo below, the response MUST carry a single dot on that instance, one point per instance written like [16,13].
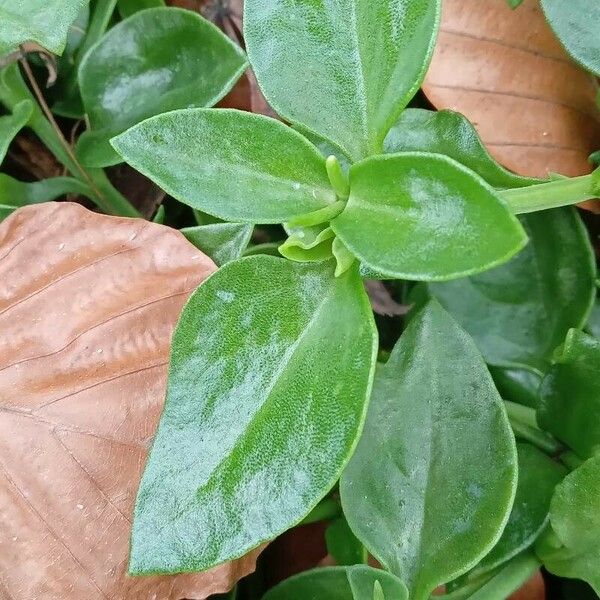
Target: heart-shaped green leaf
[449,133]
[270,375]
[43,21]
[570,394]
[223,242]
[576,24]
[342,69]
[339,583]
[432,481]
[425,217]
[574,549]
[521,311]
[235,165]
[157,60]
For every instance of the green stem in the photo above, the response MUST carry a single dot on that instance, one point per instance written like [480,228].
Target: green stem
[329,508]
[323,215]
[337,177]
[542,440]
[570,460]
[561,192]
[525,414]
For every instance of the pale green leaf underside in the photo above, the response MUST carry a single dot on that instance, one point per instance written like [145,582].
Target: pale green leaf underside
[235,165]
[269,380]
[342,69]
[431,484]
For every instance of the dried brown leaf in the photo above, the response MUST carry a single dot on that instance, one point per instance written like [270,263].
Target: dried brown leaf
[506,71]
[87,308]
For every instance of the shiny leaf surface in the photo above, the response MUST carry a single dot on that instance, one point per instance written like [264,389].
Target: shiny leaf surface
[269,380]
[155,61]
[223,242]
[576,25]
[570,394]
[43,21]
[451,134]
[339,583]
[360,63]
[231,164]
[432,481]
[575,520]
[425,217]
[521,311]
[87,309]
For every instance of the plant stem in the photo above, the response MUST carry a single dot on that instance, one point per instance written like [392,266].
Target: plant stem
[337,178]
[525,414]
[44,125]
[318,216]
[570,460]
[562,192]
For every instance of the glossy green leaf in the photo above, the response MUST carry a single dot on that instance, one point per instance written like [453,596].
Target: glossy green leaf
[575,520]
[520,312]
[157,60]
[269,381]
[343,545]
[431,484]
[11,124]
[43,21]
[338,583]
[235,165]
[451,134]
[223,242]
[342,69]
[576,24]
[15,193]
[425,217]
[127,8]
[538,476]
[518,385]
[570,394]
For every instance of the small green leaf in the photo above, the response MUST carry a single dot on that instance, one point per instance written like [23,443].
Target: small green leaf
[514,3]
[575,520]
[343,545]
[157,60]
[11,124]
[43,21]
[270,375]
[425,217]
[378,593]
[358,62]
[570,394]
[309,245]
[518,385]
[576,25]
[343,257]
[519,312]
[339,583]
[223,242]
[431,484]
[538,476]
[451,134]
[235,165]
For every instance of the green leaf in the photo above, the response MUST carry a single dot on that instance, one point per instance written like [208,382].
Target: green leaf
[575,520]
[235,165]
[570,394]
[14,193]
[431,484]
[342,69]
[514,3]
[451,134]
[127,8]
[338,583]
[270,375]
[425,217]
[519,312]
[157,60]
[593,324]
[538,476]
[308,244]
[343,545]
[11,124]
[518,385]
[223,242]
[43,21]
[576,25]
